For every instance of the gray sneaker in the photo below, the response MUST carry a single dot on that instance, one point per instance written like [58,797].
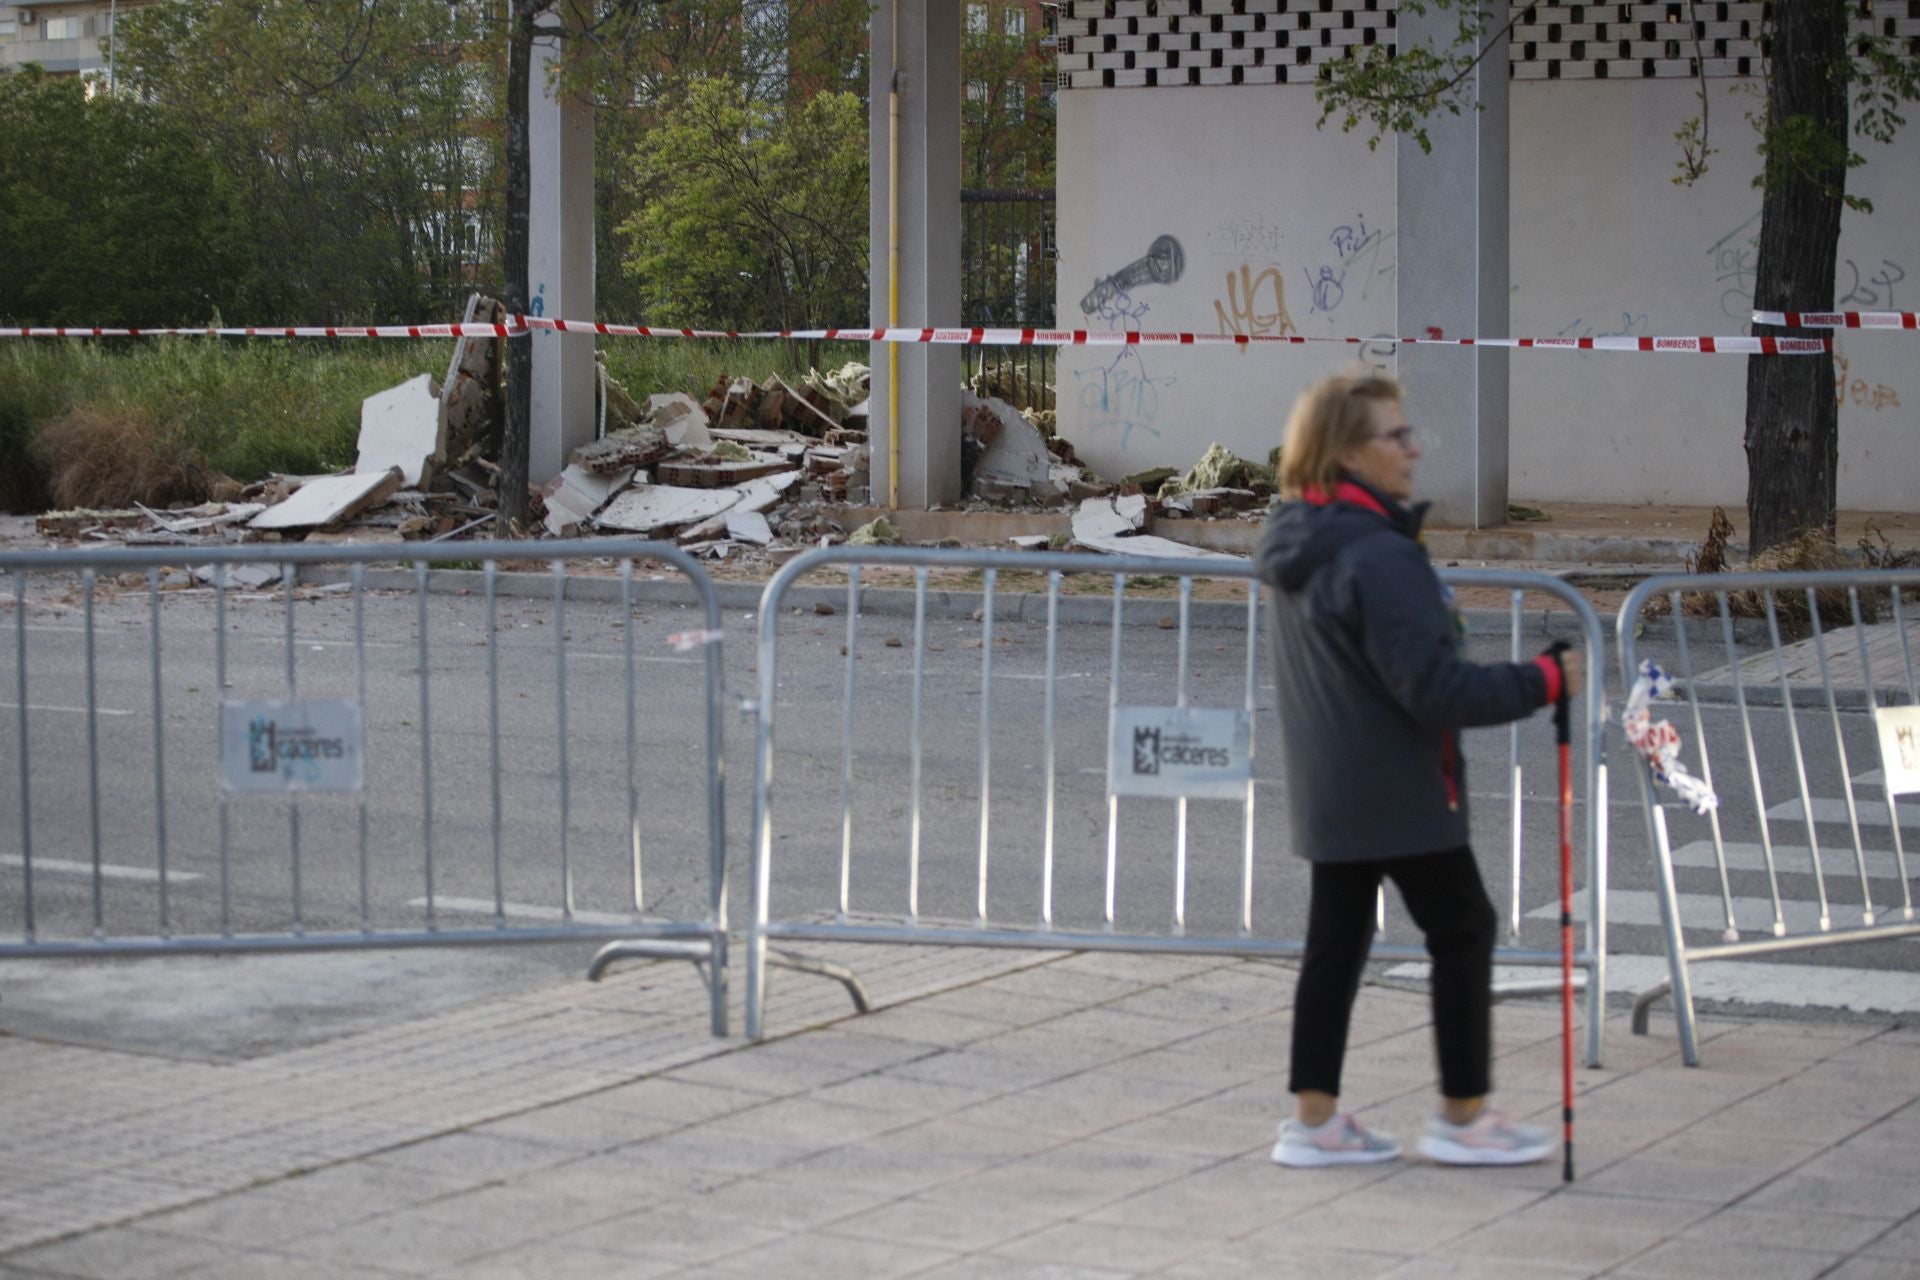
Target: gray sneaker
[1489,1138]
[1341,1140]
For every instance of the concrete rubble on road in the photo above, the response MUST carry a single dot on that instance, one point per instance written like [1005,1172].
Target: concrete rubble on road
[759,468]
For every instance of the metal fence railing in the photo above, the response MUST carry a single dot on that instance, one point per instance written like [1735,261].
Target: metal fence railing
[976,792]
[211,754]
[1007,271]
[1783,681]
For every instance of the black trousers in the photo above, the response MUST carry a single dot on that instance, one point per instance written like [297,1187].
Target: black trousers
[1446,899]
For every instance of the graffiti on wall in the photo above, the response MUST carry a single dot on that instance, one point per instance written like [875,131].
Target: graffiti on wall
[1857,286]
[1870,292]
[1121,395]
[1848,389]
[1735,257]
[1163,263]
[1253,237]
[1255,305]
[1362,259]
[1631,324]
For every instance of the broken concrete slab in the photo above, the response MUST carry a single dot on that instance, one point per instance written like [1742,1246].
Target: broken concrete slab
[1110,517]
[243,577]
[576,493]
[1149,545]
[681,419]
[329,500]
[360,535]
[1018,454]
[404,427]
[1031,541]
[765,493]
[209,515]
[748,526]
[755,438]
[652,507]
[1113,525]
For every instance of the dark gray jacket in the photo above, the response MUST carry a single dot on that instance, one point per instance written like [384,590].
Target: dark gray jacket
[1372,687]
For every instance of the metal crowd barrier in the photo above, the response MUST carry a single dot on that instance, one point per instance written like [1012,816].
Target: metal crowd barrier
[1003,827]
[204,764]
[1794,671]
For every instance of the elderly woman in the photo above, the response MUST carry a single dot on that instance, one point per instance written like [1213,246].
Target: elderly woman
[1373,693]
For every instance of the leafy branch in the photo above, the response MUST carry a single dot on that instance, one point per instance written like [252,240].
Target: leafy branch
[1394,91]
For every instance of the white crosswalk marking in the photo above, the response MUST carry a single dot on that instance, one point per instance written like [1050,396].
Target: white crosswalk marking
[1872,811]
[1737,981]
[1789,859]
[108,870]
[1753,916]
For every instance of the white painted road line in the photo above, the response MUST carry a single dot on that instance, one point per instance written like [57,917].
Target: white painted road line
[1793,858]
[108,870]
[1754,916]
[523,911]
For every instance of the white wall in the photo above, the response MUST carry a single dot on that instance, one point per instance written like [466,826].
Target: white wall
[1261,204]
[1602,242]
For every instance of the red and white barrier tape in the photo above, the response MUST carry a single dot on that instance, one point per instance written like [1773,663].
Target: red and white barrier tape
[517,325]
[1840,319]
[1731,345]
[301,331]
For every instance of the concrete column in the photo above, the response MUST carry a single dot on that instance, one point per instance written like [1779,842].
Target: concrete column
[560,264]
[929,176]
[1453,278]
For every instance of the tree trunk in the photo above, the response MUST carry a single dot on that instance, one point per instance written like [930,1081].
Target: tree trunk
[516,439]
[1793,427]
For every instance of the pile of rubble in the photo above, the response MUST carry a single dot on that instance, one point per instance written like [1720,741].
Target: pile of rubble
[709,473]
[767,466]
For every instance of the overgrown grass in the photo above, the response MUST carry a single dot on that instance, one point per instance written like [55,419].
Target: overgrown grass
[249,409]
[241,408]
[648,365]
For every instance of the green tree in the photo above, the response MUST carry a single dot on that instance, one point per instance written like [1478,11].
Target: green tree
[1825,83]
[358,134]
[778,52]
[751,213]
[111,212]
[1006,109]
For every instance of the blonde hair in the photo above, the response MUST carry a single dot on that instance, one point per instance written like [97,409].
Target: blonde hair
[1329,417]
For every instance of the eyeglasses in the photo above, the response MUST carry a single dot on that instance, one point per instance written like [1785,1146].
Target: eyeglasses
[1402,436]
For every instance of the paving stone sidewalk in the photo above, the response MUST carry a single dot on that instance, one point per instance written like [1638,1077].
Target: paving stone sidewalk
[1002,1114]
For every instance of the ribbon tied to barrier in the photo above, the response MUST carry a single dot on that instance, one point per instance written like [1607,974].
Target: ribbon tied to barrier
[1658,742]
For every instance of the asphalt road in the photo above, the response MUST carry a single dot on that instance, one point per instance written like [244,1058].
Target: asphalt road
[567,828]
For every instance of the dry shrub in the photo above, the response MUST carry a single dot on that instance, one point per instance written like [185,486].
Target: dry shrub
[1809,551]
[1712,555]
[101,459]
[1885,555]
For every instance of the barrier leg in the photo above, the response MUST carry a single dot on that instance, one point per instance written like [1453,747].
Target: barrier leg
[1676,945]
[826,969]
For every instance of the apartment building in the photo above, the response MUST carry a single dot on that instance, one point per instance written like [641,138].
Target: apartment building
[67,37]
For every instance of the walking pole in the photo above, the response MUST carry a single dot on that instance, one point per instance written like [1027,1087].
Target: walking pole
[1563,738]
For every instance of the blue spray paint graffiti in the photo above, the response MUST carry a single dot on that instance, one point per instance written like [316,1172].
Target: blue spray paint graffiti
[1360,250]
[1122,394]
